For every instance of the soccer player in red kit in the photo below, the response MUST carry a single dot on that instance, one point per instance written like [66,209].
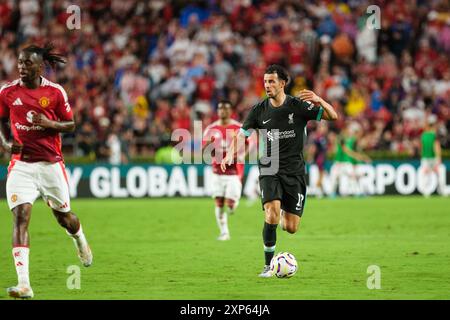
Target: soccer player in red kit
[227,185]
[38,111]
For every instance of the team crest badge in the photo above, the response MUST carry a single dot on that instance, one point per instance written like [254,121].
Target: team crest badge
[291,118]
[44,102]
[14,198]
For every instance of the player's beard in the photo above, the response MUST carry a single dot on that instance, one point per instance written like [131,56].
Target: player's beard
[29,77]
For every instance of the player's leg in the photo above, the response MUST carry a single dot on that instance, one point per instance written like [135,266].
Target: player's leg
[222,219]
[21,251]
[293,201]
[70,222]
[440,174]
[272,217]
[291,222]
[425,176]
[321,167]
[320,183]
[55,191]
[219,188]
[21,192]
[233,192]
[271,199]
[335,173]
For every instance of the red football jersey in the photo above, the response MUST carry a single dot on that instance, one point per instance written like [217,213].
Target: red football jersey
[220,136]
[20,104]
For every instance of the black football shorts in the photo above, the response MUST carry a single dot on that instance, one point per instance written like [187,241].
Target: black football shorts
[290,190]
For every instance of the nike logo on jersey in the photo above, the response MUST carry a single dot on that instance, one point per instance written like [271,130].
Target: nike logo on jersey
[18,102]
[264,122]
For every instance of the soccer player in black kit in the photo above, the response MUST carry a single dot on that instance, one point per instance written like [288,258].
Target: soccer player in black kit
[281,119]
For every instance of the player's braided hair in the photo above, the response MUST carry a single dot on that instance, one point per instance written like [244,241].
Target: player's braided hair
[46,53]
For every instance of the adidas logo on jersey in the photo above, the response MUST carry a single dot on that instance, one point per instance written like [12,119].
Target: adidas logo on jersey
[18,102]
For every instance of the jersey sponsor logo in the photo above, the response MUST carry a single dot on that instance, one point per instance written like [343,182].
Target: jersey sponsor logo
[265,121]
[28,128]
[30,115]
[291,118]
[44,102]
[17,102]
[277,135]
[22,127]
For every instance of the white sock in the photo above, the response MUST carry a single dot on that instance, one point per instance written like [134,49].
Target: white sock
[21,258]
[222,220]
[78,238]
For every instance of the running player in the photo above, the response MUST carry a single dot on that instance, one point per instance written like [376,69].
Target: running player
[319,155]
[38,111]
[430,156]
[352,156]
[338,163]
[227,185]
[282,120]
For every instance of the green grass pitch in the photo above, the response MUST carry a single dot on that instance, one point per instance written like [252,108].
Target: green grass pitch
[167,249]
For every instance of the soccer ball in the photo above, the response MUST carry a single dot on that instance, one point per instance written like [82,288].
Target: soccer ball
[283,265]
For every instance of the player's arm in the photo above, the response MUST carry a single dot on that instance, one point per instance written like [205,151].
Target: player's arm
[207,139]
[238,138]
[438,151]
[328,111]
[61,126]
[6,146]
[356,155]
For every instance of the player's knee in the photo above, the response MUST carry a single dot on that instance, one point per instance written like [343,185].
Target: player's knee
[291,225]
[272,214]
[231,204]
[219,202]
[64,218]
[291,228]
[21,215]
[61,219]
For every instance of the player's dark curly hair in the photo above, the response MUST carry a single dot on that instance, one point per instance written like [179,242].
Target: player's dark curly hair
[46,53]
[280,71]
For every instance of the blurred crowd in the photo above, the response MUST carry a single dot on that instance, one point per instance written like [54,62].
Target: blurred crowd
[137,70]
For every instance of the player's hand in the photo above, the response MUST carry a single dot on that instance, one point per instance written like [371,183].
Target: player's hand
[40,119]
[437,165]
[16,148]
[13,148]
[228,160]
[308,95]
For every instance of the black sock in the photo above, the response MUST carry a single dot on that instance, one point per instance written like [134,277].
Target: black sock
[269,239]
